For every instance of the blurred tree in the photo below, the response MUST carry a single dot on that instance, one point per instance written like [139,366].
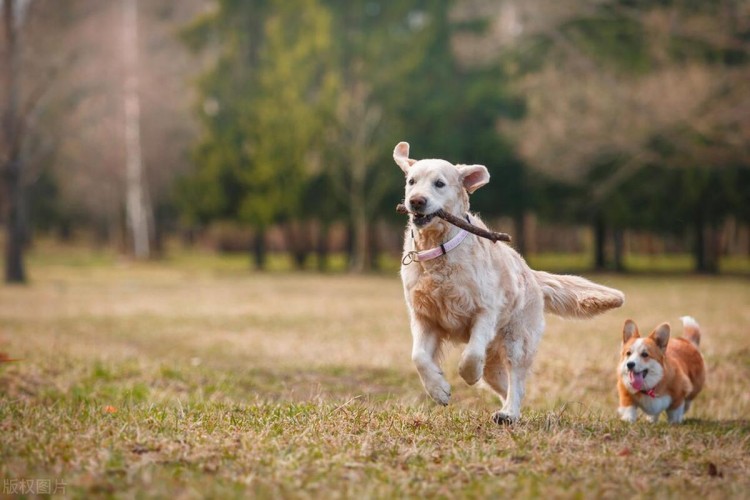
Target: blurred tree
[403,80]
[622,86]
[87,161]
[456,103]
[137,202]
[263,105]
[12,160]
[30,73]
[381,48]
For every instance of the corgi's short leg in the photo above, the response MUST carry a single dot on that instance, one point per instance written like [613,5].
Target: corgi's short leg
[628,413]
[654,418]
[675,416]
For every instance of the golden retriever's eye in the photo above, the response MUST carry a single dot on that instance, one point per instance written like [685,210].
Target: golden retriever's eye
[644,354]
[439,183]
[411,181]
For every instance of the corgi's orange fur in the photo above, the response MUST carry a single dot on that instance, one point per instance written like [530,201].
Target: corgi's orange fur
[657,374]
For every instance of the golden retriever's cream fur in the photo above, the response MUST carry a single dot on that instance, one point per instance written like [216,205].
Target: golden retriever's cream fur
[481,293]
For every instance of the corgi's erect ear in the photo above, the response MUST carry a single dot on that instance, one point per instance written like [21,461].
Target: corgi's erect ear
[473,176]
[661,335]
[401,156]
[629,330]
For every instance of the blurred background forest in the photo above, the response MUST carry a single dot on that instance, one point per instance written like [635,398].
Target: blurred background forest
[611,128]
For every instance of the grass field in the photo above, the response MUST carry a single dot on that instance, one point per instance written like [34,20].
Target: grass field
[193,378]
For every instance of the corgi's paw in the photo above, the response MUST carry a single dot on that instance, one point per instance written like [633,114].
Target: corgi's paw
[677,415]
[628,413]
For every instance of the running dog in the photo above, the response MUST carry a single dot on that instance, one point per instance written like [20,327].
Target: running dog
[464,289]
[657,374]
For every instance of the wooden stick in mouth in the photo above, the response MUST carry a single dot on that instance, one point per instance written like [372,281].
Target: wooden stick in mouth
[484,233]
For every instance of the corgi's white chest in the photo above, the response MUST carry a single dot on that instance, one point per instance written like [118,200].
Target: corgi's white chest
[654,406]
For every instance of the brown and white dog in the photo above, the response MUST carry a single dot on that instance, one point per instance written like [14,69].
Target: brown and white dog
[656,374]
[461,288]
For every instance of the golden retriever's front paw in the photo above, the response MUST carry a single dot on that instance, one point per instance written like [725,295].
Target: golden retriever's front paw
[502,418]
[471,367]
[440,392]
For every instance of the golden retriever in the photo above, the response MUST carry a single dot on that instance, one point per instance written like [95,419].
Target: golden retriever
[461,288]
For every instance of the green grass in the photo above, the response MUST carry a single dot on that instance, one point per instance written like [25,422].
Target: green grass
[637,263]
[196,378]
[49,254]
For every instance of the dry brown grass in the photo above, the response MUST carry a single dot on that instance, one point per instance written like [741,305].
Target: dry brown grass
[175,381]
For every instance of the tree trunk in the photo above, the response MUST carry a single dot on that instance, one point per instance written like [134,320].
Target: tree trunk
[600,243]
[14,244]
[296,242]
[13,163]
[349,243]
[707,248]
[715,249]
[373,247]
[321,248]
[519,226]
[140,218]
[360,229]
[259,249]
[619,250]
[360,226]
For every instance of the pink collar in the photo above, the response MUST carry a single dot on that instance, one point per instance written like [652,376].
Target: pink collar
[433,253]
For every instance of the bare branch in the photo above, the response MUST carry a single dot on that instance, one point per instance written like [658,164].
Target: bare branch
[458,222]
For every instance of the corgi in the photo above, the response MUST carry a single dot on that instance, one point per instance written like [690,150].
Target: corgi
[656,374]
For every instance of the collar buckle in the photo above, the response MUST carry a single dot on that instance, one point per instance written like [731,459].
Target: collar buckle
[410,257]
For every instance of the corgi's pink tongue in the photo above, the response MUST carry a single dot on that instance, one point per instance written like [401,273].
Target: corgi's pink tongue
[636,380]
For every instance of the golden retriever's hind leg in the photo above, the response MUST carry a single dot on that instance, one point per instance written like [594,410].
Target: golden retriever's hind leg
[471,366]
[520,342]
[496,378]
[511,409]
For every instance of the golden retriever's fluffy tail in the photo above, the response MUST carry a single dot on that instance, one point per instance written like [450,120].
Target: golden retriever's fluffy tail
[576,297]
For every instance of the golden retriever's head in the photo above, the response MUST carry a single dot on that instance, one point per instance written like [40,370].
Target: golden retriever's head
[433,184]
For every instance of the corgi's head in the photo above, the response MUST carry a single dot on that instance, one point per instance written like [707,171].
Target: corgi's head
[642,358]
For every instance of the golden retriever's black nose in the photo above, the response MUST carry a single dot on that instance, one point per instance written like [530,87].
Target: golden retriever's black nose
[417,203]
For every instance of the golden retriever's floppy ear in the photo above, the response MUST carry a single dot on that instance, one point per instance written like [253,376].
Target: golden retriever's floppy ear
[661,336]
[401,156]
[473,176]
[629,330]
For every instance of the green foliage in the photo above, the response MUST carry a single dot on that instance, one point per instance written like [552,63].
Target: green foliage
[680,174]
[307,98]
[617,42]
[263,106]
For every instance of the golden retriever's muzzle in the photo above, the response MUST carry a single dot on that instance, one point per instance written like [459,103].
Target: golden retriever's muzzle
[417,204]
